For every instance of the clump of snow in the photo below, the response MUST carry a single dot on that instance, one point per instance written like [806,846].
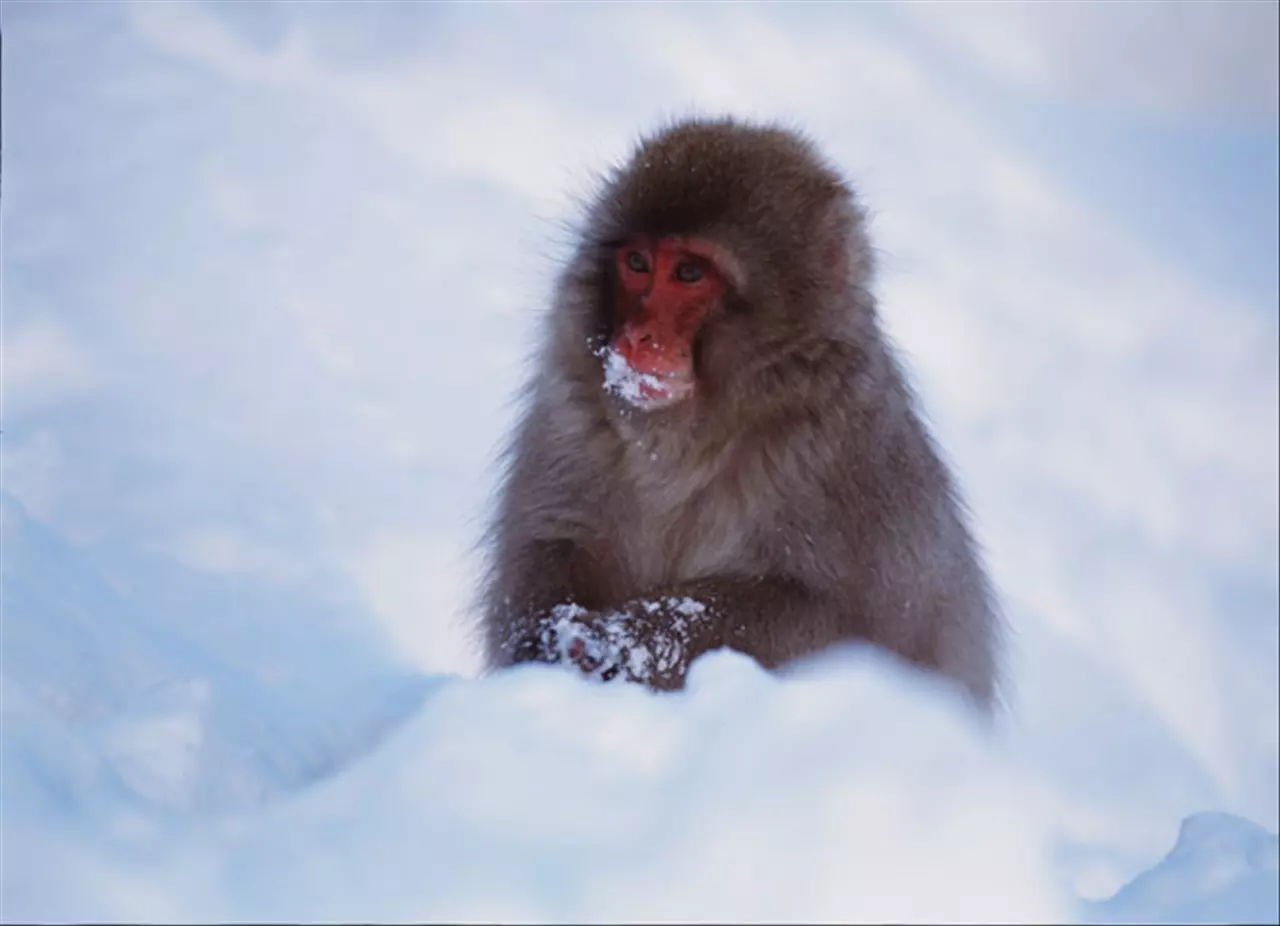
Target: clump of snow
[624,381]
[685,605]
[564,614]
[573,641]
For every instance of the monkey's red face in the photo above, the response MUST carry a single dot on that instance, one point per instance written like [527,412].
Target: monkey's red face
[668,287]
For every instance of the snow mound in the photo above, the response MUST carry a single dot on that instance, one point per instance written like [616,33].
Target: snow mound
[171,762]
[1223,869]
[852,791]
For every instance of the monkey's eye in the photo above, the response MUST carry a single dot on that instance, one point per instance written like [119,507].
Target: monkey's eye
[636,262]
[687,272]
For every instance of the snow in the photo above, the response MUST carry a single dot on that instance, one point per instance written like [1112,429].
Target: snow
[1222,869]
[689,607]
[161,782]
[642,390]
[539,795]
[623,380]
[610,643]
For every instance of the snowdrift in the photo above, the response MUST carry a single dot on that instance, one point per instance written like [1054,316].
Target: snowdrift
[150,776]
[850,792]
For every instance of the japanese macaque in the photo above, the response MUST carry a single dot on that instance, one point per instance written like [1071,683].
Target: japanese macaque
[719,448]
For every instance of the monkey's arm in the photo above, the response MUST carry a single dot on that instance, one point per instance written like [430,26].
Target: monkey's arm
[654,639]
[533,579]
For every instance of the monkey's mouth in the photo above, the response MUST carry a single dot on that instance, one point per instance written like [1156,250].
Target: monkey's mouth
[643,389]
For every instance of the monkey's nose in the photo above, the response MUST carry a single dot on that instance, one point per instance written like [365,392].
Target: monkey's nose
[635,345]
[647,352]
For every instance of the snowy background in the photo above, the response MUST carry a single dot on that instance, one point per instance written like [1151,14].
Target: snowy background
[270,272]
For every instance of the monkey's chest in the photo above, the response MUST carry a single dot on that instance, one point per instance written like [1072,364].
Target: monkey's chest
[679,529]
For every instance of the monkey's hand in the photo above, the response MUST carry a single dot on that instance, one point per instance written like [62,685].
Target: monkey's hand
[566,634]
[644,641]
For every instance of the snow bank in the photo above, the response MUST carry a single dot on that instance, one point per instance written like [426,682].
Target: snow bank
[158,766]
[855,791]
[174,757]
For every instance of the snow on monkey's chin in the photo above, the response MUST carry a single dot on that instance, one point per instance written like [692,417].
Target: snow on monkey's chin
[645,391]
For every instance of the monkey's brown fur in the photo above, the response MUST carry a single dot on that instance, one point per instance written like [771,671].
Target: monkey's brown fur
[798,495]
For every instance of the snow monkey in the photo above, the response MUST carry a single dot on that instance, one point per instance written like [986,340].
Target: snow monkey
[718,446]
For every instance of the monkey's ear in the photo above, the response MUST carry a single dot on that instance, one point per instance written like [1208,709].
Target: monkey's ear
[727,262]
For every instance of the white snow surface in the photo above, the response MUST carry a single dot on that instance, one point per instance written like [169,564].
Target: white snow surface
[530,795]
[161,783]
[1222,870]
